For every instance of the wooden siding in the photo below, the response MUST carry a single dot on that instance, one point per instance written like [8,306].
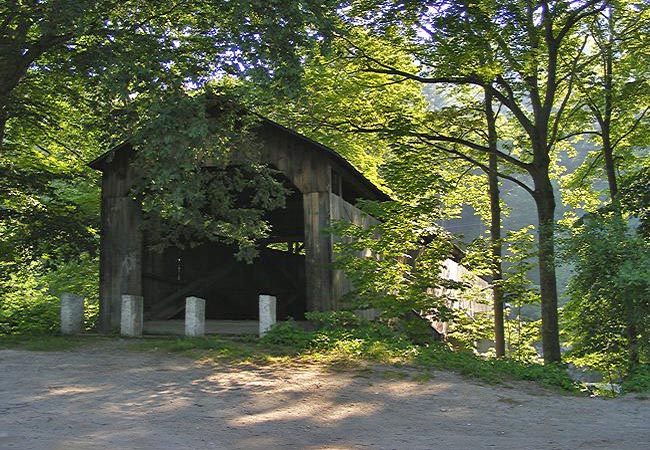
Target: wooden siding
[121,242]
[342,210]
[318,252]
[480,290]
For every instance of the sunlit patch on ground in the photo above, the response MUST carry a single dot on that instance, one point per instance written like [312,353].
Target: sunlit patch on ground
[107,397]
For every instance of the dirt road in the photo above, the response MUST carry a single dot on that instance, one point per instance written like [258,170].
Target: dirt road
[104,397]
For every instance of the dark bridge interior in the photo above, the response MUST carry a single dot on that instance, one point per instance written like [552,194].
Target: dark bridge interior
[231,287]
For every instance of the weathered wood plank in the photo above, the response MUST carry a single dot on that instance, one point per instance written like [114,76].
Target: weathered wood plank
[318,252]
[121,243]
[342,210]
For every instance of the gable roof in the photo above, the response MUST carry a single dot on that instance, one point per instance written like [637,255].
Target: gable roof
[101,162]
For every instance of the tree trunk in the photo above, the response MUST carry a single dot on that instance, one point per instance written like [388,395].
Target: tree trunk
[3,121]
[497,269]
[545,202]
[495,229]
[608,150]
[610,170]
[610,167]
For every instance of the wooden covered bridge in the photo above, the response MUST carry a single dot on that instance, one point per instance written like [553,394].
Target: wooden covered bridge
[323,187]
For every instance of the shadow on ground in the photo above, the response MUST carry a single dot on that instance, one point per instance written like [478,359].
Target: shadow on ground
[106,397]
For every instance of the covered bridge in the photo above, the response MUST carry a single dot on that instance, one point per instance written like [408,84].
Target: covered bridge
[323,187]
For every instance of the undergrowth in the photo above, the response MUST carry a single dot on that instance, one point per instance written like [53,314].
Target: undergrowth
[345,341]
[638,380]
[288,344]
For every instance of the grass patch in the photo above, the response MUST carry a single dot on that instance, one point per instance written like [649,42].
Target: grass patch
[350,350]
[336,346]
[47,343]
[345,349]
[353,345]
[422,377]
[492,370]
[242,349]
[394,375]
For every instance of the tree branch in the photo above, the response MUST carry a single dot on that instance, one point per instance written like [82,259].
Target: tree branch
[510,102]
[481,166]
[577,133]
[567,96]
[474,146]
[577,15]
[632,128]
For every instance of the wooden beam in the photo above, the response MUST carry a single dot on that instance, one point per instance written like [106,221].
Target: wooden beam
[318,252]
[121,242]
[120,258]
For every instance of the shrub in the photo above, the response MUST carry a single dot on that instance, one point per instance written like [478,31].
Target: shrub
[394,262]
[638,380]
[29,298]
[79,277]
[607,314]
[287,334]
[334,319]
[440,356]
[28,308]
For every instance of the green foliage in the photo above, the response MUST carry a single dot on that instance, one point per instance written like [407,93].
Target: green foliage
[607,315]
[611,103]
[521,249]
[638,380]
[635,195]
[522,334]
[416,328]
[49,206]
[370,340]
[79,276]
[197,172]
[440,356]
[78,77]
[29,297]
[334,319]
[287,333]
[339,103]
[344,338]
[99,52]
[521,296]
[341,335]
[521,330]
[523,56]
[393,264]
[465,332]
[26,305]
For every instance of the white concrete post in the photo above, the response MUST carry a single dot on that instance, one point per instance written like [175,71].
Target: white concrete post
[267,313]
[132,312]
[194,316]
[72,313]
